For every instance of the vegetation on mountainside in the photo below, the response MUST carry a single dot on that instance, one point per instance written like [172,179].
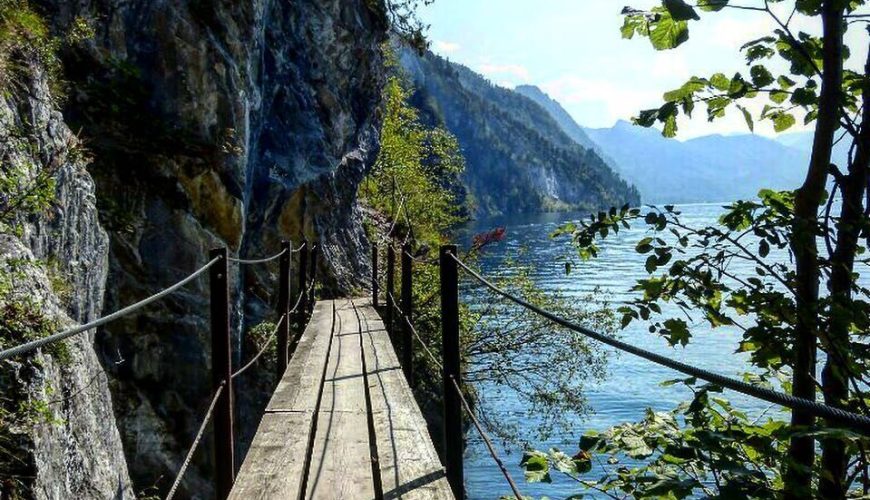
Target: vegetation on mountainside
[413,196]
[707,447]
[518,158]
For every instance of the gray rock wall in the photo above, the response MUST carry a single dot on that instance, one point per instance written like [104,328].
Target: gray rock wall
[71,448]
[212,123]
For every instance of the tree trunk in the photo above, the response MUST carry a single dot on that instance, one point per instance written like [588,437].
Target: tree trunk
[808,199]
[835,376]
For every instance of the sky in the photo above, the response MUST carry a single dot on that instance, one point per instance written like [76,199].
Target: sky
[574,51]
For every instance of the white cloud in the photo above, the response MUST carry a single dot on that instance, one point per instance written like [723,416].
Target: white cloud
[507,72]
[443,47]
[619,102]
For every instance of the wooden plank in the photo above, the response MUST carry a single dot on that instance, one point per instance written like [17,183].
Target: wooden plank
[410,467]
[273,467]
[341,460]
[298,388]
[275,463]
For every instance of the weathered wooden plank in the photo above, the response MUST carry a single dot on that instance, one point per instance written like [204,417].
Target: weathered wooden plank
[273,467]
[410,467]
[341,460]
[297,389]
[341,464]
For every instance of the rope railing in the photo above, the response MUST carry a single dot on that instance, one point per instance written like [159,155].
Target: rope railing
[36,344]
[220,408]
[264,260]
[466,406]
[487,440]
[854,421]
[196,440]
[272,336]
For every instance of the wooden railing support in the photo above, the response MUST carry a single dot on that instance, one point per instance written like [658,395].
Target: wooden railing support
[407,308]
[284,307]
[375,287]
[453,434]
[391,277]
[303,284]
[222,370]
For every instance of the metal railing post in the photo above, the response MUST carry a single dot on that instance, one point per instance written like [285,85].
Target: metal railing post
[453,435]
[222,369]
[375,275]
[283,307]
[407,308]
[302,307]
[391,276]
[312,278]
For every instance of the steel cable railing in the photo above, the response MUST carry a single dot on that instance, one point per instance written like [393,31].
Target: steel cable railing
[854,421]
[36,344]
[264,260]
[196,440]
[272,336]
[477,425]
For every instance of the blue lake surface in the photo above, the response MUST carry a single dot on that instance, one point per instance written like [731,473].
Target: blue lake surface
[632,384]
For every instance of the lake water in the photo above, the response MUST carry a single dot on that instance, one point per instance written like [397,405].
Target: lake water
[633,384]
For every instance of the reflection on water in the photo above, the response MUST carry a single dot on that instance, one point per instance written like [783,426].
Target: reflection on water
[633,384]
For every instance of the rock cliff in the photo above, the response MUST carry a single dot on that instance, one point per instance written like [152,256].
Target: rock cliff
[216,123]
[56,416]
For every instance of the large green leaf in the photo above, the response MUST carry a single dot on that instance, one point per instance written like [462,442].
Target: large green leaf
[667,32]
[680,10]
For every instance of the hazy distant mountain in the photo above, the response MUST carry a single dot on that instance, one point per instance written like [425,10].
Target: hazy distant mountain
[804,142]
[518,158]
[706,169]
[711,168]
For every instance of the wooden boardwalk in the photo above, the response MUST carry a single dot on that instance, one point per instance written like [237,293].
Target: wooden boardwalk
[343,422]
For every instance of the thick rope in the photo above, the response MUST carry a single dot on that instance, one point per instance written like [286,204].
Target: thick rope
[426,348]
[196,441]
[465,404]
[489,446]
[855,421]
[257,261]
[36,344]
[298,249]
[272,336]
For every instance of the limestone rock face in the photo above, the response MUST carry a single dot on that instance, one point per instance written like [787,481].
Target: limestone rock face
[217,123]
[63,434]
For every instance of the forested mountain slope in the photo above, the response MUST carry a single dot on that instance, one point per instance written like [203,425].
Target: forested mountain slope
[519,160]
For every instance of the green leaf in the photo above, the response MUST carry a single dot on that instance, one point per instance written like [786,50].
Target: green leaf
[778,96]
[712,5]
[761,76]
[748,117]
[537,467]
[668,33]
[783,122]
[680,10]
[720,81]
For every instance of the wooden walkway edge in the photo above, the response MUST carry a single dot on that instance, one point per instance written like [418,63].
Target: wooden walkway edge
[333,430]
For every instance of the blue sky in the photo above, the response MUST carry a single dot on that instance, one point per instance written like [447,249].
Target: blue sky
[574,51]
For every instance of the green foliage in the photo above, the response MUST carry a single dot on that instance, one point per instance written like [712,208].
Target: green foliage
[723,454]
[667,27]
[22,317]
[415,166]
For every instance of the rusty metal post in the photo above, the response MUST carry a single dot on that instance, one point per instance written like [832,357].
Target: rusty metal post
[222,369]
[453,434]
[375,290]
[312,272]
[391,277]
[284,307]
[299,317]
[407,308]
